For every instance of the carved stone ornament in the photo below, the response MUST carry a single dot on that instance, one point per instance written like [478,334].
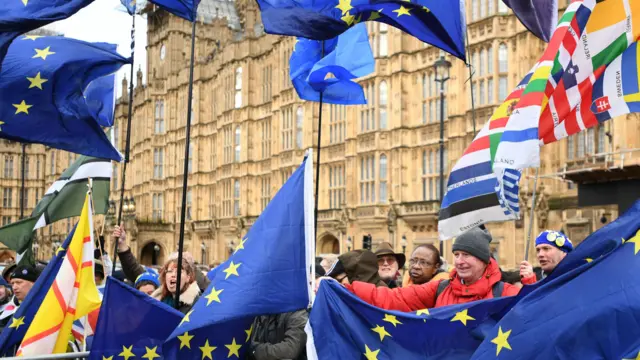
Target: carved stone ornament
[542,209]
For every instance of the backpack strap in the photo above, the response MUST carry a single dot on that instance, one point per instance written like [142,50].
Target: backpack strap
[498,288]
[441,286]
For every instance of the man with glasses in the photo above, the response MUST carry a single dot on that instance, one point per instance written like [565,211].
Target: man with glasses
[388,264]
[424,266]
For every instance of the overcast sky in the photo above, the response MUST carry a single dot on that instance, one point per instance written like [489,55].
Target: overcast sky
[103,21]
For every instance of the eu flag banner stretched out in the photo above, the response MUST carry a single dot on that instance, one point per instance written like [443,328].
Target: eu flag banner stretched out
[13,334]
[346,57]
[586,312]
[20,16]
[148,323]
[341,326]
[100,96]
[270,272]
[439,23]
[186,9]
[41,87]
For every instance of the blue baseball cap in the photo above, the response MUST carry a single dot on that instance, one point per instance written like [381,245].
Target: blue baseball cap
[555,238]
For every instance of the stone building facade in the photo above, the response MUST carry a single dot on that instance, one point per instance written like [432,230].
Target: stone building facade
[379,162]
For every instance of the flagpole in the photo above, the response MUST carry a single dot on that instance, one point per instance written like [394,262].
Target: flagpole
[22,176]
[185,177]
[533,206]
[127,147]
[470,80]
[315,209]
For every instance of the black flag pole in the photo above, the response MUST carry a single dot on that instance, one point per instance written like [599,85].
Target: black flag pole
[315,209]
[185,177]
[22,179]
[127,147]
[470,80]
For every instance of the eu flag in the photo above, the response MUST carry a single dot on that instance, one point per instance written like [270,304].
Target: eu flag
[20,16]
[587,312]
[347,57]
[100,96]
[41,87]
[186,9]
[17,327]
[345,327]
[439,23]
[130,5]
[270,272]
[131,323]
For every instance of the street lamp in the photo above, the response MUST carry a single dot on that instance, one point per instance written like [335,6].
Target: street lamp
[442,68]
[125,205]
[132,205]
[349,243]
[112,208]
[156,254]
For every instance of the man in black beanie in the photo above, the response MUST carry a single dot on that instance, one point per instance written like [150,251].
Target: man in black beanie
[22,279]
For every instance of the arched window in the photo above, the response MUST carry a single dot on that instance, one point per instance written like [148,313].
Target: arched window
[503,58]
[384,46]
[383,178]
[237,144]
[383,104]
[238,100]
[425,93]
[236,198]
[299,123]
[190,162]
[490,60]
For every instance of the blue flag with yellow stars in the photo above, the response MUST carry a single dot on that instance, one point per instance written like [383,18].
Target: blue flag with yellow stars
[436,22]
[186,9]
[100,96]
[130,5]
[131,324]
[346,57]
[342,326]
[588,312]
[41,87]
[20,16]
[17,327]
[270,272]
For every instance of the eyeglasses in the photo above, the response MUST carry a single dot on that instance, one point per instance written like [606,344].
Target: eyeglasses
[420,262]
[389,260]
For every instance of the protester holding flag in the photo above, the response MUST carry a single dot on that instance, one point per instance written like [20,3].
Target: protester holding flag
[279,336]
[476,277]
[551,247]
[147,282]
[22,279]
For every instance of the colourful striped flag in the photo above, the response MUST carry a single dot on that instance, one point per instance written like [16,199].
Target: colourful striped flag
[72,295]
[593,37]
[617,92]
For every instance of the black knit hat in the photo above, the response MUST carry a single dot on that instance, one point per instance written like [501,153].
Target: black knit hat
[475,242]
[336,269]
[24,272]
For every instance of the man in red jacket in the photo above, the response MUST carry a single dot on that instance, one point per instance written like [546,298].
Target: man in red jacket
[476,276]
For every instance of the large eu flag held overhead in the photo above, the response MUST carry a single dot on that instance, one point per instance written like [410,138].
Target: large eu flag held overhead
[439,23]
[20,16]
[41,91]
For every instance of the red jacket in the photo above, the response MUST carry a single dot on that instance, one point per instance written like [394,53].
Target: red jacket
[423,296]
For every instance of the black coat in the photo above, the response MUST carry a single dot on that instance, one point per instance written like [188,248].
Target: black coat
[279,337]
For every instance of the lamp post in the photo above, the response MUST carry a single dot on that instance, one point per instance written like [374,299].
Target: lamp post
[156,254]
[349,243]
[442,68]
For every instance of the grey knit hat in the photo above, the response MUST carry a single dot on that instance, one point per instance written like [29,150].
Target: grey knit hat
[475,242]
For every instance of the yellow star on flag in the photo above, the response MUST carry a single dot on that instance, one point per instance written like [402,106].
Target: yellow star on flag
[22,108]
[241,245]
[207,350]
[358,19]
[426,9]
[462,316]
[344,6]
[107,358]
[348,19]
[16,323]
[151,353]
[43,53]
[126,352]
[636,241]
[214,295]
[59,249]
[588,260]
[381,331]
[391,319]
[374,15]
[232,270]
[185,340]
[186,318]
[249,333]
[31,37]
[36,81]
[423,312]
[501,340]
[636,358]
[402,11]
[25,2]
[1,123]
[370,355]
[234,348]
